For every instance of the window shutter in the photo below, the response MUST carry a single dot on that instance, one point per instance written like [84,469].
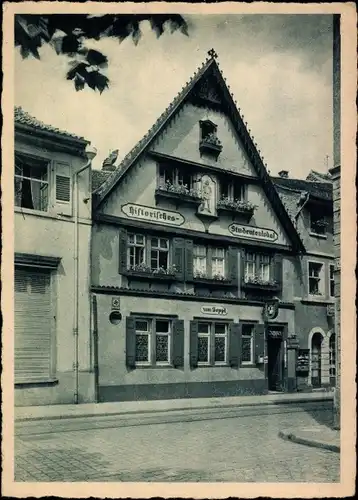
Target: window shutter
[240,269]
[259,342]
[277,268]
[189,247]
[63,188]
[285,332]
[193,344]
[233,270]
[130,342]
[178,342]
[235,345]
[178,257]
[122,250]
[33,320]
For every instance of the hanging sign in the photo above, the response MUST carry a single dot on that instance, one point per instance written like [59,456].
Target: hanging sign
[214,310]
[151,214]
[253,233]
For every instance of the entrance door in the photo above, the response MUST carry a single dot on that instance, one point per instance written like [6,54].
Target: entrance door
[274,362]
[316,355]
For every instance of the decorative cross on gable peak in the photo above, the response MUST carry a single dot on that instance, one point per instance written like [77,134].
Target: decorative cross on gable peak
[212,54]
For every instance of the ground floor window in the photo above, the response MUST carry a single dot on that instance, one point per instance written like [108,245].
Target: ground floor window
[33,318]
[212,342]
[247,356]
[153,341]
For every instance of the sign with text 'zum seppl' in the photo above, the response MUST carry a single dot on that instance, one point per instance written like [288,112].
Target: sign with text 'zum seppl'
[215,310]
[151,214]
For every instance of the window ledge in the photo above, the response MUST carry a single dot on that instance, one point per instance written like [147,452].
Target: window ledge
[315,300]
[261,286]
[149,276]
[35,383]
[178,198]
[157,366]
[212,282]
[211,365]
[249,365]
[317,235]
[45,215]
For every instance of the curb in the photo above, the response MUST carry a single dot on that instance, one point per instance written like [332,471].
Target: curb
[289,436]
[168,410]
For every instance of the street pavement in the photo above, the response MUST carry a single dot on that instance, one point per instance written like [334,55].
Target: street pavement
[239,449]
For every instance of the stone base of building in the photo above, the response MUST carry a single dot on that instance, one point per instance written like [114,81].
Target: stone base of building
[60,391]
[141,392]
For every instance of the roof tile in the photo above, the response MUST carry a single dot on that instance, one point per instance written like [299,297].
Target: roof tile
[24,118]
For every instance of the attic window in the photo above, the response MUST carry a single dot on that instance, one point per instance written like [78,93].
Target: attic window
[209,142]
[208,129]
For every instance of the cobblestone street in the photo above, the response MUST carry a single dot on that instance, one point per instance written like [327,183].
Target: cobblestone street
[242,449]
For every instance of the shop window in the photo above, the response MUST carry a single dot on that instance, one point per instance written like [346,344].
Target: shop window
[331,280]
[153,341]
[209,262]
[212,343]
[315,279]
[31,183]
[318,223]
[247,355]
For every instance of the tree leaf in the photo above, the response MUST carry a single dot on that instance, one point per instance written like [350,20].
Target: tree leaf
[97,58]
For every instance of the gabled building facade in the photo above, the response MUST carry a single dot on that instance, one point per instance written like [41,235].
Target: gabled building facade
[310,205]
[52,230]
[193,259]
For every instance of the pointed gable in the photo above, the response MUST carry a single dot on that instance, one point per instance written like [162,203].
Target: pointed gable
[205,99]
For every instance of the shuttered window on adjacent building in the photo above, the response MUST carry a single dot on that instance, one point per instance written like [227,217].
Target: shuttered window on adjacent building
[63,188]
[33,317]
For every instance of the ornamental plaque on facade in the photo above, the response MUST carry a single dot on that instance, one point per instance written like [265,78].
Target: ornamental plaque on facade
[270,310]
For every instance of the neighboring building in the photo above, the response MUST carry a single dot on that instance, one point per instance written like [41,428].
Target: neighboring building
[190,241]
[336,176]
[52,241]
[310,206]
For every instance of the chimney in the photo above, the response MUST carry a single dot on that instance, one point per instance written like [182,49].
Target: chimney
[283,174]
[109,162]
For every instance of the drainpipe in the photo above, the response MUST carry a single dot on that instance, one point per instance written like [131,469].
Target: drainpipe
[90,154]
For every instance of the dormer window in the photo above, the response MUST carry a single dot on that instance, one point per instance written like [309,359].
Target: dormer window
[169,176]
[208,129]
[209,142]
[318,223]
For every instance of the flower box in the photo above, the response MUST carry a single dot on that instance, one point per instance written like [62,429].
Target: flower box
[258,284]
[210,145]
[211,281]
[145,272]
[178,193]
[236,207]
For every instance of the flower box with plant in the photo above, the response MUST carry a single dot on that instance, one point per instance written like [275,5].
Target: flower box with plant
[258,282]
[239,206]
[211,144]
[143,270]
[179,192]
[203,277]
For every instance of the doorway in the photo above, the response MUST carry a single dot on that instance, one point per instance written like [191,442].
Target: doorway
[274,364]
[316,360]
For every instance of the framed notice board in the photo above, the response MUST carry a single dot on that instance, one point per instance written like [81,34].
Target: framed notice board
[303,359]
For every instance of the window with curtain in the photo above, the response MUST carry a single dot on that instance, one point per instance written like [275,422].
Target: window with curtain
[31,183]
[258,267]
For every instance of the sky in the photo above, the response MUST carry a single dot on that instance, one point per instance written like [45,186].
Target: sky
[278,67]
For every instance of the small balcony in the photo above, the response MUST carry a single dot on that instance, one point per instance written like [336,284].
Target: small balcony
[179,194]
[210,145]
[236,207]
[256,283]
[144,272]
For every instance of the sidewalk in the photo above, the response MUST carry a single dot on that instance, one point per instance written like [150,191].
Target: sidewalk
[318,436]
[34,413]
